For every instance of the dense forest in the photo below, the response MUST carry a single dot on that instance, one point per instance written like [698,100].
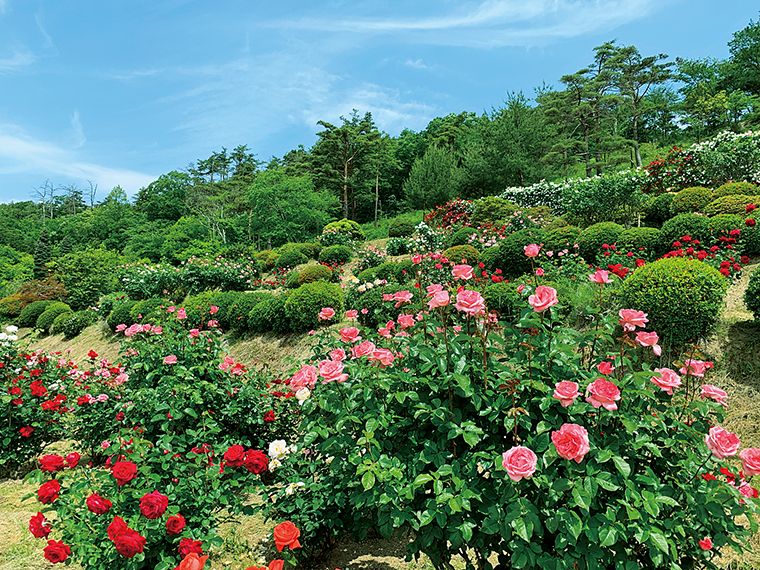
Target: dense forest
[621,111]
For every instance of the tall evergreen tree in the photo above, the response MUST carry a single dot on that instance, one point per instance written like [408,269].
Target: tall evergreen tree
[42,255]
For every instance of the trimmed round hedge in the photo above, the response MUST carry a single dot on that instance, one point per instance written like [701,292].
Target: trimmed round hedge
[305,303]
[462,237]
[509,255]
[269,315]
[492,210]
[397,246]
[736,204]
[335,254]
[735,188]
[690,200]
[291,281]
[71,324]
[120,315]
[30,314]
[290,259]
[636,238]
[594,237]
[722,224]
[752,294]
[562,238]
[314,273]
[658,211]
[237,313]
[46,319]
[146,310]
[501,298]
[462,253]
[346,226]
[682,297]
[693,225]
[401,227]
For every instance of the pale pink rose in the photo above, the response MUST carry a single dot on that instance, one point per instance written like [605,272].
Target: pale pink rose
[332,371]
[194,333]
[364,311]
[746,490]
[630,319]
[571,442]
[172,309]
[543,298]
[133,330]
[405,321]
[382,356]
[462,271]
[532,250]
[103,398]
[363,349]
[385,332]
[338,355]
[326,314]
[433,289]
[349,334]
[226,363]
[540,272]
[470,303]
[402,297]
[121,378]
[350,315]
[695,368]
[417,258]
[304,378]
[722,442]
[667,380]
[566,392]
[600,276]
[440,299]
[388,297]
[181,313]
[602,392]
[519,462]
[713,393]
[605,368]
[649,339]
[120,328]
[105,445]
[213,310]
[750,461]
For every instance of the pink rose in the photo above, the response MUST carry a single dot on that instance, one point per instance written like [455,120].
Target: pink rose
[603,393]
[706,543]
[667,380]
[543,298]
[649,339]
[213,310]
[171,359]
[470,303]
[520,289]
[402,297]
[722,442]
[363,349]
[750,461]
[571,442]
[630,319]
[349,334]
[350,315]
[532,250]
[540,272]
[696,368]
[605,368]
[181,313]
[462,272]
[713,393]
[304,378]
[382,356]
[332,371]
[405,321]
[566,392]
[433,289]
[440,299]
[600,276]
[194,333]
[326,314]
[384,332]
[417,258]
[519,462]
[338,355]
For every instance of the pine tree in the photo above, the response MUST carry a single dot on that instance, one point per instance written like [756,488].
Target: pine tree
[41,256]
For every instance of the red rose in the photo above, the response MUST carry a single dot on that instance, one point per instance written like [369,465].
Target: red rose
[234,455]
[153,505]
[51,463]
[26,431]
[72,460]
[117,527]
[97,504]
[276,565]
[175,524]
[256,461]
[92,354]
[750,223]
[129,543]
[39,526]
[188,546]
[269,417]
[192,562]
[120,417]
[124,472]
[286,534]
[56,551]
[48,492]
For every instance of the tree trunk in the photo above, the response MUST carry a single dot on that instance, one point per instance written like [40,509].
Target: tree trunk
[636,148]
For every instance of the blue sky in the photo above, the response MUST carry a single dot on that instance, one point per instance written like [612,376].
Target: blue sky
[119,92]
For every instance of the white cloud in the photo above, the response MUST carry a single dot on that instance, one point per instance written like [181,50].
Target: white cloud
[18,60]
[417,64]
[78,131]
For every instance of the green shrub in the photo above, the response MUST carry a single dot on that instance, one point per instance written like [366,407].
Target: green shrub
[752,294]
[502,298]
[263,255]
[492,210]
[367,275]
[462,253]
[310,249]
[562,238]
[315,273]
[658,210]
[45,320]
[556,223]
[292,280]
[11,306]
[71,324]
[30,314]
[335,254]
[402,227]
[386,271]
[305,303]
[342,232]
[223,300]
[108,302]
[751,236]
[593,237]
[736,204]
[682,297]
[120,315]
[237,313]
[378,312]
[509,255]
[684,225]
[735,188]
[290,259]
[269,315]
[405,271]
[636,238]
[397,246]
[271,261]
[462,237]
[722,224]
[144,311]
[691,200]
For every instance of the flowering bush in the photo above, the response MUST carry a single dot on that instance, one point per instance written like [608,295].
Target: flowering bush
[455,213]
[397,246]
[369,257]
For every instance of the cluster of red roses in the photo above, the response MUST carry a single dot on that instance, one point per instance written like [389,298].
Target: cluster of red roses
[255,461]
[453,213]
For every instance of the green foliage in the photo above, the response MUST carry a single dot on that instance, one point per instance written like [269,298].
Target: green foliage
[491,210]
[148,310]
[88,275]
[562,238]
[612,196]
[722,224]
[46,319]
[120,315]
[15,267]
[751,236]
[502,299]
[71,324]
[237,313]
[107,303]
[658,209]
[462,254]
[378,312]
[11,306]
[592,238]
[397,246]
[509,255]
[335,254]
[682,297]
[42,256]
[735,188]
[462,237]
[313,273]
[30,314]
[367,275]
[433,179]
[401,227]
[270,315]
[752,294]
[292,281]
[734,204]
[405,271]
[290,259]
[635,238]
[387,271]
[697,227]
[689,200]
[305,303]
[346,227]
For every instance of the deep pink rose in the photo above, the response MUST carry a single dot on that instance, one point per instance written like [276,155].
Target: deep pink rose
[351,314]
[402,297]
[171,359]
[332,371]
[722,442]
[714,393]
[519,462]
[532,250]
[750,461]
[304,378]
[543,298]
[667,380]
[600,276]
[602,392]
[349,334]
[338,355]
[630,319]
[649,339]
[605,368]
[470,303]
[566,392]
[571,442]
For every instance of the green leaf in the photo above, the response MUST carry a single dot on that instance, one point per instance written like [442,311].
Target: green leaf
[659,540]
[523,528]
[581,498]
[607,535]
[422,478]
[603,456]
[622,466]
[368,480]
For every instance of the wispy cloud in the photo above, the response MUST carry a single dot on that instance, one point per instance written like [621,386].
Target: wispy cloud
[17,61]
[48,45]
[132,74]
[78,131]
[417,64]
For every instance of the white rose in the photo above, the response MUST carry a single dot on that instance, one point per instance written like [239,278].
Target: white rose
[278,448]
[302,395]
[274,464]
